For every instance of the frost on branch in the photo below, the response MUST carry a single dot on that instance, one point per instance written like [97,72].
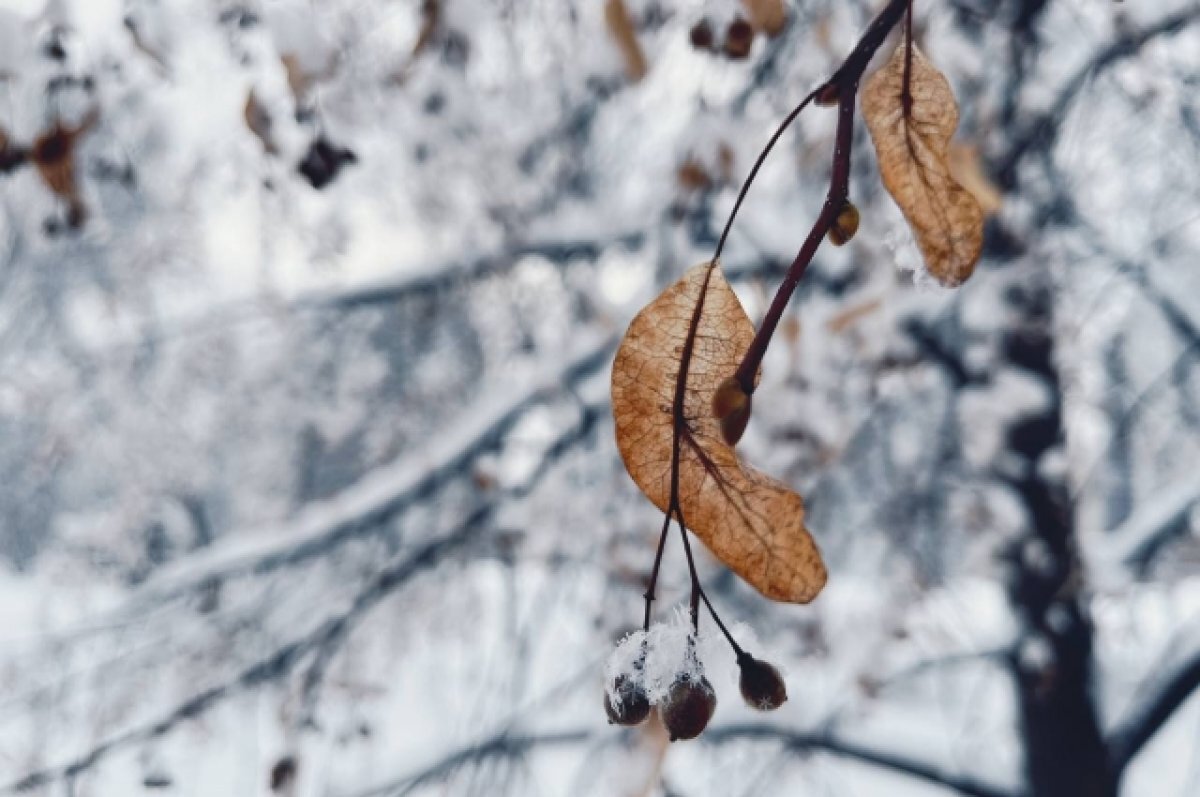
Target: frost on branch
[750,521]
[912,142]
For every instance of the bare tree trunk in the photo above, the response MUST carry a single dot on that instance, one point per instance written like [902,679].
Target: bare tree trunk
[1053,666]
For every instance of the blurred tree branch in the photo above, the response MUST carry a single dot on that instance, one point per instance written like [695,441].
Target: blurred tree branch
[1171,688]
[1042,130]
[805,742]
[505,744]
[321,642]
[367,508]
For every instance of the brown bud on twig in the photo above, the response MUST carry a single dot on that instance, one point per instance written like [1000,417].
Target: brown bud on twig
[739,39]
[828,95]
[732,407]
[845,225]
[701,35]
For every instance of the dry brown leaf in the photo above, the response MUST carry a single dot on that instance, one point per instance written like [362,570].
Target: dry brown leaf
[301,79]
[769,16]
[692,176]
[258,120]
[913,152]
[851,316]
[750,521]
[621,28]
[53,154]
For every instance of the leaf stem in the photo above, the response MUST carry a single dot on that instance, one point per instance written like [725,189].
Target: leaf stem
[679,424]
[649,594]
[835,197]
[762,157]
[698,593]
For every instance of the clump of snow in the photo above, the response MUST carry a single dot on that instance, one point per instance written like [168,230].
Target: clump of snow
[670,650]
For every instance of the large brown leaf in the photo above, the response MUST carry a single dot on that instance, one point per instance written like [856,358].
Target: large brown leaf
[913,147]
[751,522]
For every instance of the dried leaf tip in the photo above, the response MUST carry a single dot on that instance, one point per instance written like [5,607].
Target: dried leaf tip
[912,145]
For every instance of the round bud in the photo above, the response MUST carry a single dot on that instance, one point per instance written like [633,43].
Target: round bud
[631,706]
[688,707]
[761,684]
[702,35]
[739,38]
[732,406]
[845,225]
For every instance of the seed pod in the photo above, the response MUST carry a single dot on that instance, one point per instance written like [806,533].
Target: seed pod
[761,684]
[701,35]
[845,225]
[688,707]
[631,707]
[732,407]
[739,38]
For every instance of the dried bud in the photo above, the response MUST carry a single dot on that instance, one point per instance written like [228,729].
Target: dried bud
[828,95]
[688,707]
[632,705]
[739,38]
[702,35]
[761,684]
[732,406]
[845,225]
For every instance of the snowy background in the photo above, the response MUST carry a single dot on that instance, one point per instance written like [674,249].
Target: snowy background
[307,475]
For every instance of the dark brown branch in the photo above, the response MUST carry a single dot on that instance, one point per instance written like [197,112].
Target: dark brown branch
[652,584]
[844,87]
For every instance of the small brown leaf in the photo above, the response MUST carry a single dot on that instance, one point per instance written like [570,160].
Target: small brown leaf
[769,16]
[258,120]
[912,145]
[692,176]
[851,316]
[621,28]
[53,153]
[751,522]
